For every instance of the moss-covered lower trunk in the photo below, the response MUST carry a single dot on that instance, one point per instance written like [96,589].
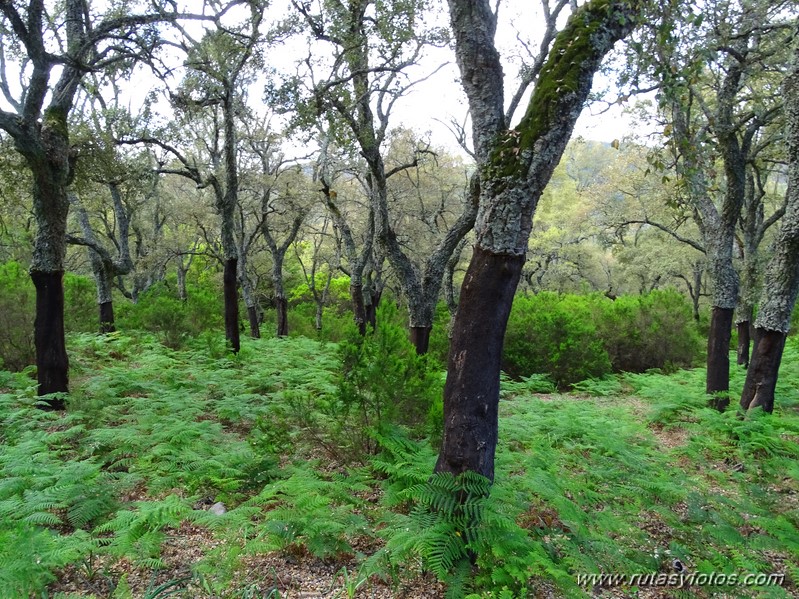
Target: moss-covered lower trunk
[515,167]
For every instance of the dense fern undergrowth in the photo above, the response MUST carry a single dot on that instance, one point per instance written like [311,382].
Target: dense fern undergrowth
[323,453]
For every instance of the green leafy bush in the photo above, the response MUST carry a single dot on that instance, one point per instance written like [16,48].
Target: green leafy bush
[17,309]
[80,304]
[160,310]
[641,332]
[571,338]
[555,335]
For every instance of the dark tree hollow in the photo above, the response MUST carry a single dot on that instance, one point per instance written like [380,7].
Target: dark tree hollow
[761,378]
[52,363]
[471,392]
[718,357]
[230,284]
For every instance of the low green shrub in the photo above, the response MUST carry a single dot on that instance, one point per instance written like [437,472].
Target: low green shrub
[555,335]
[81,314]
[571,338]
[160,310]
[17,309]
[641,332]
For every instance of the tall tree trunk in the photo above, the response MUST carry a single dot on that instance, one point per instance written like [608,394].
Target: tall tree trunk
[744,339]
[781,285]
[515,166]
[718,357]
[725,297]
[51,353]
[50,167]
[281,303]
[231,296]
[255,322]
[420,338]
[358,306]
[695,297]
[761,378]
[182,271]
[281,306]
[107,317]
[471,393]
[248,295]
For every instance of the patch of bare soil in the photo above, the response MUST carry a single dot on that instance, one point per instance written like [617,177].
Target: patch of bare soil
[292,575]
[670,438]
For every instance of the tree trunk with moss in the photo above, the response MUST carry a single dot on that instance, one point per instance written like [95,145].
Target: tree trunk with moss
[515,166]
[781,285]
[48,158]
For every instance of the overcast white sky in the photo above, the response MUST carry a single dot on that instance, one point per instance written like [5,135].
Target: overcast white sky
[440,99]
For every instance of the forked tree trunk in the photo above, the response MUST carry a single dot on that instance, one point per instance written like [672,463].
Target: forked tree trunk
[230,282]
[515,167]
[718,357]
[52,362]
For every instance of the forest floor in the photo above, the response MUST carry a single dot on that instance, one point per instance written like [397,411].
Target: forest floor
[121,496]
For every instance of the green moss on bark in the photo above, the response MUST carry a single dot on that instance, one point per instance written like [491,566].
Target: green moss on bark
[55,120]
[571,61]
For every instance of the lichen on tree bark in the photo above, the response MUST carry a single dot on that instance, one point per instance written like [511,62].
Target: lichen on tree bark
[515,166]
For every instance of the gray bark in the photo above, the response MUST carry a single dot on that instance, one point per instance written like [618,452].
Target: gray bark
[421,284]
[105,266]
[782,275]
[515,167]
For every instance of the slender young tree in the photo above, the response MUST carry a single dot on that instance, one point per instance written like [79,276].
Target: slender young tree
[357,254]
[781,285]
[515,165]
